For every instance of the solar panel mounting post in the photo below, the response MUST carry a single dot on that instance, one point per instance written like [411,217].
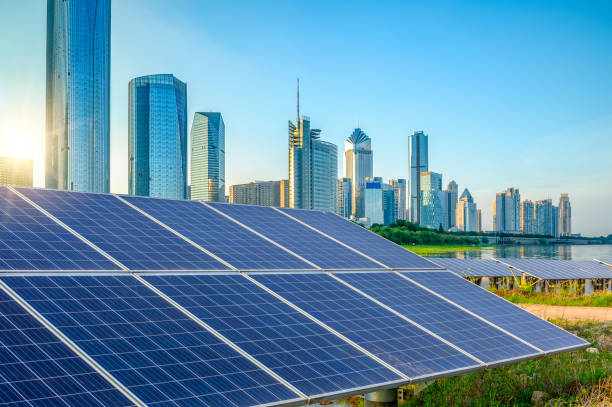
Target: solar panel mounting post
[383,398]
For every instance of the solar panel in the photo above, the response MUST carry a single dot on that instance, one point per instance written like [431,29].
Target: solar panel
[607,262]
[298,238]
[161,355]
[547,269]
[397,342]
[476,267]
[30,240]
[302,352]
[122,232]
[460,328]
[37,369]
[357,237]
[228,240]
[502,313]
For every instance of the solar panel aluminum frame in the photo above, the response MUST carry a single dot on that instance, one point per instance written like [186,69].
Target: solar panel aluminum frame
[511,273]
[604,261]
[559,278]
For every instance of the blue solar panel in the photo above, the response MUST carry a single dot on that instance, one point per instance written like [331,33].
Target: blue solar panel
[238,246]
[298,238]
[30,240]
[469,333]
[366,242]
[489,306]
[607,262]
[37,369]
[476,267]
[156,351]
[547,269]
[299,350]
[399,343]
[122,232]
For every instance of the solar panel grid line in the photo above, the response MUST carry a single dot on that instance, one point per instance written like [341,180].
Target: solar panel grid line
[221,337]
[332,238]
[324,325]
[607,262]
[261,235]
[191,242]
[409,320]
[73,346]
[68,228]
[517,268]
[470,312]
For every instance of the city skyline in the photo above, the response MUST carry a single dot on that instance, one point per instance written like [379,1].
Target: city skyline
[475,163]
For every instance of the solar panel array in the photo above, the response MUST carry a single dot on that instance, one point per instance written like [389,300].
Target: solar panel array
[546,269]
[476,267]
[607,262]
[177,327]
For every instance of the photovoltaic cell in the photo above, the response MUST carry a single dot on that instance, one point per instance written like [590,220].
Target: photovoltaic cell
[502,313]
[547,269]
[476,267]
[399,343]
[122,232]
[37,369]
[469,333]
[299,350]
[156,351]
[238,246]
[357,237]
[298,238]
[30,240]
[607,262]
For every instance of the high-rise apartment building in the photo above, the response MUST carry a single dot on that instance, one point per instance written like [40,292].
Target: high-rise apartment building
[544,222]
[78,95]
[507,211]
[158,137]
[358,165]
[432,201]
[452,197]
[565,216]
[527,217]
[208,157]
[262,193]
[16,171]
[418,164]
[399,198]
[345,201]
[467,219]
[555,221]
[324,176]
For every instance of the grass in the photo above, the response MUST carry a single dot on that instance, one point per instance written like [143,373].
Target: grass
[563,297]
[433,249]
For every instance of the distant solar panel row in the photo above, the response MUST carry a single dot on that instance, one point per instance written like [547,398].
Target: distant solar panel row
[476,267]
[560,269]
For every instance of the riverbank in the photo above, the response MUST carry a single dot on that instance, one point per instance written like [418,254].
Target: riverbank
[426,250]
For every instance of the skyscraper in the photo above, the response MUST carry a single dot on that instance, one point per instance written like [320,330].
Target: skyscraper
[417,163]
[399,198]
[16,171]
[345,200]
[479,214]
[527,217]
[324,176]
[388,204]
[507,211]
[468,216]
[452,196]
[208,157]
[565,216]
[432,206]
[358,165]
[78,95]
[544,212]
[158,137]
[284,193]
[373,202]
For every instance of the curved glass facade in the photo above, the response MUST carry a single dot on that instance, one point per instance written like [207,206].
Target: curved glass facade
[158,137]
[208,157]
[78,95]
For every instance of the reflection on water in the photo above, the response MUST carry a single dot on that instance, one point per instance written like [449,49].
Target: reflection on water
[553,251]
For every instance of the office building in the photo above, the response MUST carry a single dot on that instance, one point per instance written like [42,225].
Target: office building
[452,196]
[527,217]
[373,202]
[358,165]
[284,193]
[324,176]
[388,204]
[16,171]
[345,200]
[544,212]
[208,157]
[432,201]
[417,164]
[77,140]
[507,211]
[565,216]
[399,198]
[158,137]
[262,193]
[479,212]
[555,221]
[468,217]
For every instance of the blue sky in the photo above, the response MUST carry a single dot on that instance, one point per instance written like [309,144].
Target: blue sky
[515,93]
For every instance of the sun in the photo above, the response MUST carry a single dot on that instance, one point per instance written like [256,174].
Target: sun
[19,138]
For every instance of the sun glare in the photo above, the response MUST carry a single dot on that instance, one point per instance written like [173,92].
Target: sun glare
[19,138]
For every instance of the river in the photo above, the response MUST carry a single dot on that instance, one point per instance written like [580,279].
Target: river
[552,251]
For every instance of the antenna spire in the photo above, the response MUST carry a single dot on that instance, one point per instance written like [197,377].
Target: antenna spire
[298,99]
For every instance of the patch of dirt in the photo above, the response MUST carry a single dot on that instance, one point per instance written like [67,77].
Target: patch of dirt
[600,314]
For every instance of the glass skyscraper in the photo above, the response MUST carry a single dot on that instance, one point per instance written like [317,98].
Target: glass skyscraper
[208,157]
[78,95]
[358,165]
[158,137]
[324,176]
[418,164]
[432,205]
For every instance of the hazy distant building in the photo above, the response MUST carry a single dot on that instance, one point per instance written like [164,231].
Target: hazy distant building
[432,203]
[373,202]
[388,204]
[555,221]
[284,193]
[507,211]
[157,135]
[78,95]
[468,217]
[399,198]
[16,171]
[565,216]
[208,157]
[452,197]
[417,163]
[527,217]
[345,200]
[263,193]
[358,165]
[324,176]
[544,212]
